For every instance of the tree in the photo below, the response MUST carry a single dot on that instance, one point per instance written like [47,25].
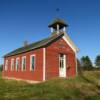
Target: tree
[97,61]
[83,61]
[79,69]
[86,63]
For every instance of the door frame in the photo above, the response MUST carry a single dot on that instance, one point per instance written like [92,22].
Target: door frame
[64,68]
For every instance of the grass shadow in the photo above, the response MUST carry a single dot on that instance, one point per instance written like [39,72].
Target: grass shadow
[91,82]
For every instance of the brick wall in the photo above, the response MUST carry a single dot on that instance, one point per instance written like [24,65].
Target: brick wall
[52,59]
[36,75]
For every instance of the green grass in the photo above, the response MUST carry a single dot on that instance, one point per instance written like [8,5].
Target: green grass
[85,87]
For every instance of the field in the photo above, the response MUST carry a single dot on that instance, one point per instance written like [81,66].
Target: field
[85,87]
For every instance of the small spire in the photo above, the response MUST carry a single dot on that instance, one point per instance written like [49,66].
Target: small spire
[58,9]
[57,12]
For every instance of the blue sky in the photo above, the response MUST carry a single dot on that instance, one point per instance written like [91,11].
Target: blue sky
[22,20]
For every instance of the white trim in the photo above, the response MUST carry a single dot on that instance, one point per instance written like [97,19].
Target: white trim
[12,64]
[69,43]
[24,57]
[65,64]
[31,62]
[57,28]
[6,65]
[76,65]
[44,64]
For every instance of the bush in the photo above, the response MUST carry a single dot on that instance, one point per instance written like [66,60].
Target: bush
[1,67]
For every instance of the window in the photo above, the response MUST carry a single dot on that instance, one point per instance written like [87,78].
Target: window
[61,60]
[6,65]
[23,63]
[12,64]
[17,64]
[32,62]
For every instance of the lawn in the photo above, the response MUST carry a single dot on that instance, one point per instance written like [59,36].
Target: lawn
[85,87]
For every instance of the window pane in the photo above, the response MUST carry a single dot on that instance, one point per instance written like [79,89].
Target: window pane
[32,62]
[24,63]
[12,64]
[17,64]
[62,63]
[61,60]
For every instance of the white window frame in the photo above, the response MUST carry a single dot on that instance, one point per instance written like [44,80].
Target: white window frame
[6,65]
[12,64]
[24,57]
[17,59]
[31,62]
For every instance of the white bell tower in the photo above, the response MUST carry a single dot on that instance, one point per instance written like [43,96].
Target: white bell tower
[57,26]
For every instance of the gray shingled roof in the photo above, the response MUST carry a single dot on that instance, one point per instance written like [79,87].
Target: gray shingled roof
[35,45]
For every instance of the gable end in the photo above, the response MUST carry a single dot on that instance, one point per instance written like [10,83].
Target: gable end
[72,47]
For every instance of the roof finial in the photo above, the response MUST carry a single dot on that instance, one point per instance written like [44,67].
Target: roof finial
[58,10]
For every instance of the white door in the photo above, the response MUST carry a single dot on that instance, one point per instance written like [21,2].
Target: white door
[62,65]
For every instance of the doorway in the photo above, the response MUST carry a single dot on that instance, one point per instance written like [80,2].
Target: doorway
[62,65]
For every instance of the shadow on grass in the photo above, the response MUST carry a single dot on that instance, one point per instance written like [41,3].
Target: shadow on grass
[92,82]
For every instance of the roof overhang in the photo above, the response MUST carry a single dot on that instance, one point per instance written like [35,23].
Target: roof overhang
[70,43]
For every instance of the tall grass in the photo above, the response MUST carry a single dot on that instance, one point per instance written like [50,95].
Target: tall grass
[85,87]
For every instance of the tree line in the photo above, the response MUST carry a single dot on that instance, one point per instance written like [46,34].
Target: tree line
[85,63]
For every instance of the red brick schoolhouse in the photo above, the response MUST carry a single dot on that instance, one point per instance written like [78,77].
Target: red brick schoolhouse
[51,57]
